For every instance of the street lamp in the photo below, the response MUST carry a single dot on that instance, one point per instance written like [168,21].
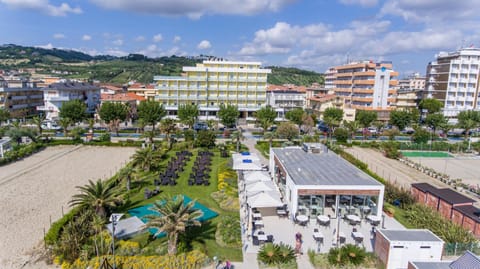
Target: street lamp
[114,218]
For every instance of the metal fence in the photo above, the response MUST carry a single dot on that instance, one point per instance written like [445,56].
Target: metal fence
[457,249]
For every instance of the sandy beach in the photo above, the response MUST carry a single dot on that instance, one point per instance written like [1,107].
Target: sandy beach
[34,191]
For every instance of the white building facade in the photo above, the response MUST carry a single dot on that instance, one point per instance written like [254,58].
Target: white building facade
[56,94]
[213,83]
[453,79]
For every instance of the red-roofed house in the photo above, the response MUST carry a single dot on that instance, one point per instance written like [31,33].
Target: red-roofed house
[129,98]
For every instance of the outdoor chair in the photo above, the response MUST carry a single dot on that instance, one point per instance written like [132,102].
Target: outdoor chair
[269,238]
[255,241]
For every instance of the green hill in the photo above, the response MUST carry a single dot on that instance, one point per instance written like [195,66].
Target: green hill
[291,75]
[105,68]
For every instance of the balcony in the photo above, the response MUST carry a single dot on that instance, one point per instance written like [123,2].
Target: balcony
[57,98]
[18,97]
[342,82]
[364,82]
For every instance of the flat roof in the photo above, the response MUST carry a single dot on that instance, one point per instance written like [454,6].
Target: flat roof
[446,194]
[431,265]
[420,235]
[469,211]
[325,168]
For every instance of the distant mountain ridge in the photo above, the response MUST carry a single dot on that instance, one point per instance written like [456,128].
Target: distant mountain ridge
[107,68]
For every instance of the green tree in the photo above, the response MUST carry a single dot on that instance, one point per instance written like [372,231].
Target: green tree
[168,126]
[366,118]
[174,216]
[400,118]
[75,110]
[228,115]
[434,121]
[266,117]
[307,123]
[65,123]
[431,105]
[341,135]
[99,196]
[188,114]
[146,158]
[332,117]
[4,115]
[468,120]
[151,112]
[352,127]
[37,121]
[237,137]
[269,136]
[421,136]
[205,138]
[295,116]
[113,113]
[287,130]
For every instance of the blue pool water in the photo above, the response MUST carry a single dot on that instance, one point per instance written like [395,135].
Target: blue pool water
[142,211]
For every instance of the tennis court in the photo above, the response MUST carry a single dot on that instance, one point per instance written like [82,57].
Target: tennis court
[426,154]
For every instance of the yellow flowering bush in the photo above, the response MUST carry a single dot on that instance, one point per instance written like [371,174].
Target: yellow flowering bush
[190,260]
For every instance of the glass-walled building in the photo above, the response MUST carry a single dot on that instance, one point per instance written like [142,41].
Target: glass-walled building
[314,181]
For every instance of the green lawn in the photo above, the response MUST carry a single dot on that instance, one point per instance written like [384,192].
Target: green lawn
[198,193]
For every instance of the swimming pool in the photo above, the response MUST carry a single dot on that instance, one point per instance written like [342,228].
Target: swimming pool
[142,212]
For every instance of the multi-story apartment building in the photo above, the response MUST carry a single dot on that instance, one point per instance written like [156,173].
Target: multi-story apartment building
[410,91]
[213,83]
[367,86]
[58,93]
[145,90]
[453,79]
[20,97]
[285,98]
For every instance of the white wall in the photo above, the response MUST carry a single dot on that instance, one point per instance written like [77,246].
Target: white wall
[380,89]
[411,251]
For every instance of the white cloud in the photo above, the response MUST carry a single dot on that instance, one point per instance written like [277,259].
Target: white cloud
[116,52]
[195,9]
[444,11]
[86,37]
[140,38]
[176,39]
[204,44]
[157,38]
[47,46]
[364,3]
[153,51]
[58,36]
[117,42]
[43,6]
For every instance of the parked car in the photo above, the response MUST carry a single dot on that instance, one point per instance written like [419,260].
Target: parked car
[200,126]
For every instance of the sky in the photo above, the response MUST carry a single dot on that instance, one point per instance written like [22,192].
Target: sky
[309,34]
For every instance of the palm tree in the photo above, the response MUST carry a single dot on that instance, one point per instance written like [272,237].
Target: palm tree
[38,120]
[352,127]
[168,126]
[126,173]
[269,136]
[65,123]
[146,158]
[269,254]
[97,195]
[174,217]
[237,136]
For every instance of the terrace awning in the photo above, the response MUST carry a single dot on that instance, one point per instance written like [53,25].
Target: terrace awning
[256,176]
[255,187]
[263,199]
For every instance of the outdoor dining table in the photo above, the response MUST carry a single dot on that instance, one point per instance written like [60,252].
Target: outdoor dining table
[317,236]
[257,216]
[353,218]
[281,212]
[373,219]
[357,236]
[258,223]
[302,218]
[323,219]
[262,237]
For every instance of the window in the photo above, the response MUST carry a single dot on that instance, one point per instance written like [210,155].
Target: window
[425,247]
[398,247]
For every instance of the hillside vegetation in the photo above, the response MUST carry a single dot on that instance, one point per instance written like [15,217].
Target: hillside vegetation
[291,75]
[105,68]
